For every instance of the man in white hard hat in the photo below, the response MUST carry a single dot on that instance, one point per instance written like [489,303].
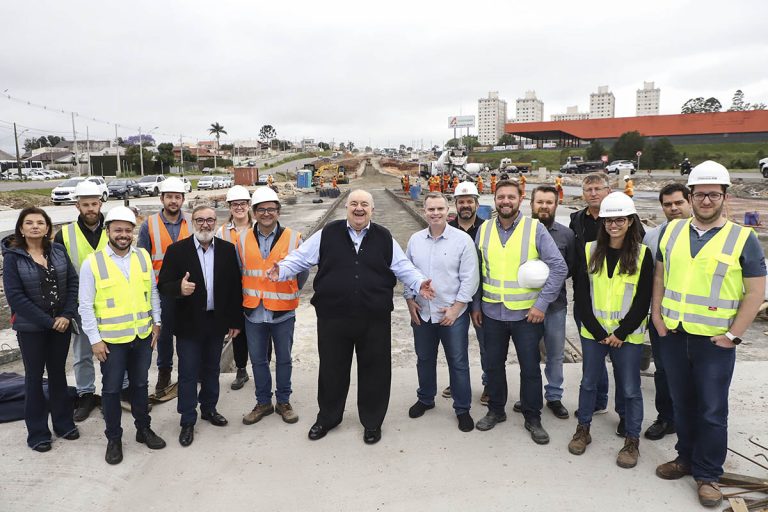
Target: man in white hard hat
[159,231]
[120,312]
[708,286]
[506,308]
[81,238]
[359,264]
[445,254]
[269,307]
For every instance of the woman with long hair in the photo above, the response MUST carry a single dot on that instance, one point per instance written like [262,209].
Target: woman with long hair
[41,289]
[612,296]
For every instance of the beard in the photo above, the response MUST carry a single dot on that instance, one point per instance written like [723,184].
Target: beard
[511,215]
[466,212]
[716,213]
[204,237]
[545,218]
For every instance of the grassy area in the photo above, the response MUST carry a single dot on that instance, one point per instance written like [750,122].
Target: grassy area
[549,158]
[297,156]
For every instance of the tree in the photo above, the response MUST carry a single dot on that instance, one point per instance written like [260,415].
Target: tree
[216,129]
[133,156]
[595,151]
[46,141]
[146,140]
[342,147]
[452,143]
[324,146]
[757,106]
[712,105]
[470,142]
[165,155]
[737,103]
[267,133]
[664,154]
[693,106]
[507,140]
[627,146]
[227,147]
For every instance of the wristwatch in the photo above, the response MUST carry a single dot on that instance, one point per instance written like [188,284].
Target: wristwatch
[734,339]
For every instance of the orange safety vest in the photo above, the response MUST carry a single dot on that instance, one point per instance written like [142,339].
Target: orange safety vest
[257,287]
[161,239]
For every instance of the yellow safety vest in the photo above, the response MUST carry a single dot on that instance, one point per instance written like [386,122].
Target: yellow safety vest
[612,297]
[78,246]
[122,306]
[499,264]
[702,293]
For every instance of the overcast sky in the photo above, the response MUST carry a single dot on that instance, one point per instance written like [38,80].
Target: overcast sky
[384,73]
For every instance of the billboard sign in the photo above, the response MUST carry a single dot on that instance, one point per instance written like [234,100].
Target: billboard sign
[461,122]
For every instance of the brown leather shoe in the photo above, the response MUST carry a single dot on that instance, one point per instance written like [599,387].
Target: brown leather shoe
[257,413]
[628,455]
[286,411]
[709,494]
[581,439]
[673,470]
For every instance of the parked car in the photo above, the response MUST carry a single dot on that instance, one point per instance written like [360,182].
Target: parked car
[124,188]
[205,183]
[207,170]
[220,182]
[57,175]
[37,175]
[151,184]
[619,166]
[65,192]
[187,184]
[569,168]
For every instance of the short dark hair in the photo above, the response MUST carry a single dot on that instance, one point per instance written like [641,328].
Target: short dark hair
[543,188]
[671,188]
[19,240]
[508,183]
[724,187]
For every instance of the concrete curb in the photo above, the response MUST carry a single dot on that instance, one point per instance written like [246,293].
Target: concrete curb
[409,208]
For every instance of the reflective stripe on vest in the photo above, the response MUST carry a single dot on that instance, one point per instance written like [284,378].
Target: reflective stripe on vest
[612,296]
[703,293]
[277,296]
[122,306]
[499,264]
[229,233]
[78,246]
[160,238]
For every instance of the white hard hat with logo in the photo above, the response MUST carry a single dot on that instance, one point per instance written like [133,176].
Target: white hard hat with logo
[709,173]
[465,188]
[617,204]
[87,189]
[172,185]
[120,213]
[263,195]
[238,193]
[533,274]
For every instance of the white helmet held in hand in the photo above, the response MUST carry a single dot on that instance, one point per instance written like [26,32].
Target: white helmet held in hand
[617,204]
[120,213]
[172,185]
[709,173]
[533,274]
[465,188]
[238,193]
[263,195]
[87,189]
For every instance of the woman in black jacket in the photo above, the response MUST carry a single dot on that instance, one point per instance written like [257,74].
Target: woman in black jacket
[41,288]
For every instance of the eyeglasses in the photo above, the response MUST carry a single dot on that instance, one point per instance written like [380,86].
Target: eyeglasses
[262,211]
[619,221]
[210,221]
[712,196]
[239,205]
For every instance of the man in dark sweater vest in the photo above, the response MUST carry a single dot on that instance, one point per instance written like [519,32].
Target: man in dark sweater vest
[358,266]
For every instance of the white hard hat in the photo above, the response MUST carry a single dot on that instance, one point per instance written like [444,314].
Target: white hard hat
[120,213]
[617,204]
[87,189]
[172,185]
[238,193]
[465,188]
[709,173]
[263,195]
[533,274]
[626,177]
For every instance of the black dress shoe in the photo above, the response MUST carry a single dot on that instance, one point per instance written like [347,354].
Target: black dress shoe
[149,438]
[418,409]
[43,447]
[659,429]
[372,435]
[558,409]
[85,404]
[215,418]
[71,436]
[317,432]
[518,407]
[114,453]
[187,435]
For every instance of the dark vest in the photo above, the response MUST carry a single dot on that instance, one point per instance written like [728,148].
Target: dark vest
[350,283]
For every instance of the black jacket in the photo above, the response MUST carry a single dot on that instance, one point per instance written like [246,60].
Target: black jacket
[180,258]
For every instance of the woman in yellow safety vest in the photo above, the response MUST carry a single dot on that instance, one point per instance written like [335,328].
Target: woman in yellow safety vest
[612,297]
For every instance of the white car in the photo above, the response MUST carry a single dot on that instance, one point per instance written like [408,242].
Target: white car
[151,184]
[57,175]
[37,175]
[220,182]
[619,166]
[65,192]
[205,183]
[187,184]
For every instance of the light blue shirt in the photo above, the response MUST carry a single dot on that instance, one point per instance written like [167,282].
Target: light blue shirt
[206,264]
[308,255]
[87,293]
[450,260]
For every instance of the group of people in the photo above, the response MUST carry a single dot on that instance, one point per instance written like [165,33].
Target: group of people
[701,277]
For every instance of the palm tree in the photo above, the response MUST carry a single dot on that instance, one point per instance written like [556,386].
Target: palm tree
[216,129]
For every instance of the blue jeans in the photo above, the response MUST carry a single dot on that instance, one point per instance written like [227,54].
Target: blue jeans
[259,335]
[699,375]
[199,359]
[603,386]
[45,351]
[82,364]
[525,336]
[554,342]
[626,373]
[427,336]
[135,357]
[165,340]
[663,400]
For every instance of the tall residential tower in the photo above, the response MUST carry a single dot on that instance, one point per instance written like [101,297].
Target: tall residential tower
[648,100]
[492,115]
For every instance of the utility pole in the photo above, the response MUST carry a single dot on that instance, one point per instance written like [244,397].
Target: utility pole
[181,153]
[88,149]
[117,152]
[18,157]
[74,144]
[141,153]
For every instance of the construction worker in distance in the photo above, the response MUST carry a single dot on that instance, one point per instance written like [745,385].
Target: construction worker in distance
[455,181]
[406,184]
[81,238]
[612,295]
[559,187]
[522,184]
[493,183]
[334,182]
[120,312]
[270,180]
[708,287]
[159,231]
[629,186]
[269,307]
[479,184]
[434,183]
[446,181]
[240,220]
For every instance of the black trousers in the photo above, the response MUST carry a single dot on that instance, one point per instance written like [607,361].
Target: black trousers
[370,338]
